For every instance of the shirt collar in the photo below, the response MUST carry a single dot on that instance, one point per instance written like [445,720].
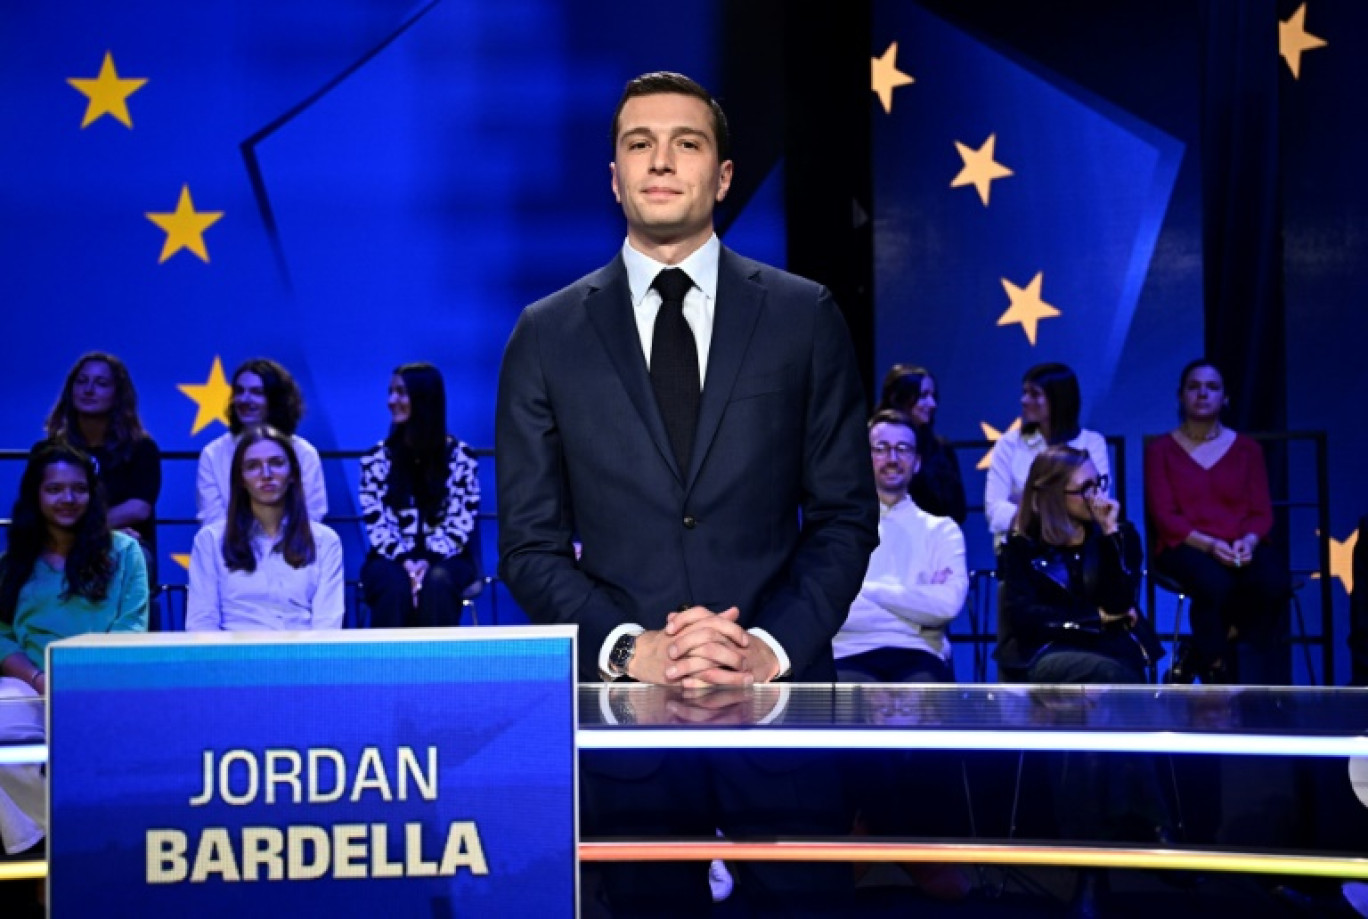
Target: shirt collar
[900,505]
[701,267]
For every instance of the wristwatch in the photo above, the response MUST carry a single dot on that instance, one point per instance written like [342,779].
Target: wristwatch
[621,655]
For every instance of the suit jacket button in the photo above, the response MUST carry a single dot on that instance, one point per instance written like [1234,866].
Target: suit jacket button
[690,523]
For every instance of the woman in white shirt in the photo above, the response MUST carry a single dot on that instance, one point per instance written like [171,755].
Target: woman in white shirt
[265,566]
[1050,406]
[263,393]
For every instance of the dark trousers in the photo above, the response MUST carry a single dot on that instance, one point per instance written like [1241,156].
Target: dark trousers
[899,793]
[692,794]
[1252,598]
[893,665]
[390,597]
[1099,796]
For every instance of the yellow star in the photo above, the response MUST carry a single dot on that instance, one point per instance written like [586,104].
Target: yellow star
[182,559]
[993,435]
[886,77]
[211,397]
[1293,39]
[1342,560]
[108,93]
[184,227]
[979,168]
[1027,307]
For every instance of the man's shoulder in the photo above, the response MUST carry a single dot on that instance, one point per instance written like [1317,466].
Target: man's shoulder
[571,295]
[935,526]
[774,279]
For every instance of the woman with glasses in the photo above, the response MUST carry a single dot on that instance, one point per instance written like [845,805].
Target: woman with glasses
[937,486]
[1206,491]
[265,566]
[1050,406]
[1071,572]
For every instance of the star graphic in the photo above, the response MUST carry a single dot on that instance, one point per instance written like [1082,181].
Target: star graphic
[1342,560]
[182,559]
[1293,39]
[1027,307]
[108,93]
[993,435]
[184,227]
[979,167]
[886,77]
[211,397]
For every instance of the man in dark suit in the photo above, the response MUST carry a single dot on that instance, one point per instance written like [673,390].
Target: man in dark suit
[716,478]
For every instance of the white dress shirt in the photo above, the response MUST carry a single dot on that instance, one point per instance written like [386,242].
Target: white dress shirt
[214,478]
[700,306]
[898,605]
[274,597]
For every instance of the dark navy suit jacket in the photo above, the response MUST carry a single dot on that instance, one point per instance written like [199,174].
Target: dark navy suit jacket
[777,514]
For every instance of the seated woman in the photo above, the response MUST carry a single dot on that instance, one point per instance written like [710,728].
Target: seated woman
[937,488]
[266,565]
[1071,573]
[1050,406]
[64,574]
[419,496]
[1206,491]
[263,393]
[97,413]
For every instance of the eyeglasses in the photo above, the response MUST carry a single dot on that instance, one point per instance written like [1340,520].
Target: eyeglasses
[903,451]
[1090,487]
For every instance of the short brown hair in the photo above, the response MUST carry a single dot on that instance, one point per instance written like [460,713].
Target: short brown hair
[664,82]
[1043,514]
[893,416]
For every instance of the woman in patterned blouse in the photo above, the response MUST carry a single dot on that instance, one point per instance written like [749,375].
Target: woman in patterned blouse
[419,497]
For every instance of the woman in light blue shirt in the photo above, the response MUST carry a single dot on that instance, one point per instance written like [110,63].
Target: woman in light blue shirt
[265,566]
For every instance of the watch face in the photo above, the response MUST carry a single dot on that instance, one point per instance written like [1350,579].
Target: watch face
[622,652]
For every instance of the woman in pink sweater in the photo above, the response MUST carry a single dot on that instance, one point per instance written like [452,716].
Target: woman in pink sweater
[1206,491]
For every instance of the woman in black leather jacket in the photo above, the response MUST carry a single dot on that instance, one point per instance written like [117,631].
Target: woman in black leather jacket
[1071,573]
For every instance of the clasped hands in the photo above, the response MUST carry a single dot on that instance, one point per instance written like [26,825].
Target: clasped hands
[417,570]
[699,648]
[1237,553]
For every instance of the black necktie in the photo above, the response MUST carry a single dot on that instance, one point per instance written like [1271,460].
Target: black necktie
[674,364]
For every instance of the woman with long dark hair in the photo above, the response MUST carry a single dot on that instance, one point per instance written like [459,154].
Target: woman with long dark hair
[97,412]
[937,488]
[63,574]
[419,498]
[263,393]
[266,566]
[1206,491]
[1050,409]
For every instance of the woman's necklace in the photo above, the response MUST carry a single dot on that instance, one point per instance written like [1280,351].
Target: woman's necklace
[1215,432]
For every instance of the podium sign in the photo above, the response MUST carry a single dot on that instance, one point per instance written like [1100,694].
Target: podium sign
[378,773]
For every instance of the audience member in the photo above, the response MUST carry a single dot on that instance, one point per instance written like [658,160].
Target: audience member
[419,498]
[65,573]
[936,487]
[263,393]
[1206,488]
[1071,574]
[265,566]
[97,413]
[1050,407]
[916,581]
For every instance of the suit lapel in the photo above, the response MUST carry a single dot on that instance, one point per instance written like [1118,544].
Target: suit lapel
[739,300]
[609,305]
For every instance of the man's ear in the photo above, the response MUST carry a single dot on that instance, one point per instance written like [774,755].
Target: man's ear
[617,195]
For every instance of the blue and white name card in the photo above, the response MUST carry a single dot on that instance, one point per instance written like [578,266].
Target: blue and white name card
[382,773]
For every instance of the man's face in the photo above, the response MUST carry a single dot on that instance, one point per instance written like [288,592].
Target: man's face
[893,448]
[666,174]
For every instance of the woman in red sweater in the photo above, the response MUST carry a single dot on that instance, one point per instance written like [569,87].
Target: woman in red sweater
[1206,490]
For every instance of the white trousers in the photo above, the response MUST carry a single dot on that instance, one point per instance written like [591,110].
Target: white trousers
[23,788]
